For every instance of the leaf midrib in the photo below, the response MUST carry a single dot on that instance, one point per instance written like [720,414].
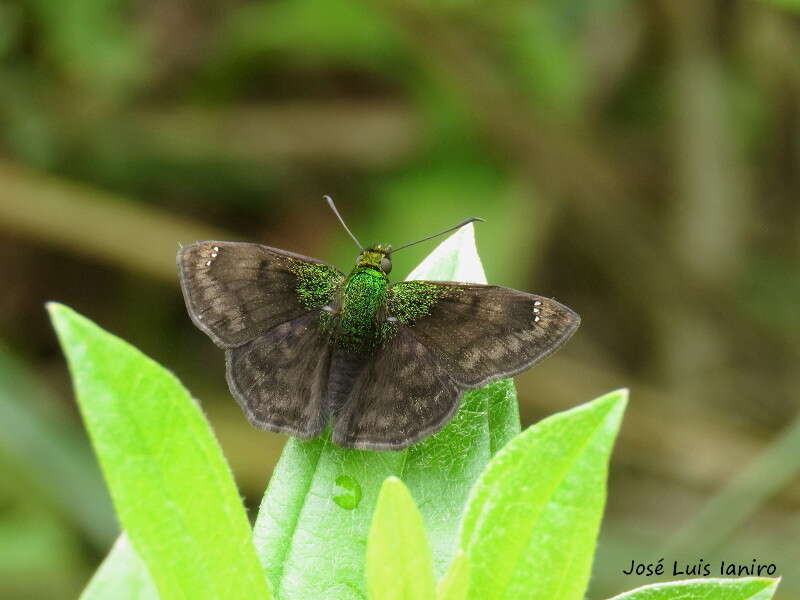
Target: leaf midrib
[298,514]
[557,482]
[562,475]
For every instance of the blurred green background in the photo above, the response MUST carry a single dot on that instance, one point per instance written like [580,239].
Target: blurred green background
[639,161]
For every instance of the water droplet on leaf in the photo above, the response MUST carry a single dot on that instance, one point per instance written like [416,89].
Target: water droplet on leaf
[351,496]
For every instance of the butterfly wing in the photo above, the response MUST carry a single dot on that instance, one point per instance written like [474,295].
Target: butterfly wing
[279,378]
[449,337]
[236,291]
[262,305]
[481,333]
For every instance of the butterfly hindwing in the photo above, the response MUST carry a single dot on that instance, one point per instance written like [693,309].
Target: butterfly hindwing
[480,333]
[280,378]
[237,291]
[400,396]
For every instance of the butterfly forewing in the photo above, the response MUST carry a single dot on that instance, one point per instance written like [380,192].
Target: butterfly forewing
[480,333]
[236,291]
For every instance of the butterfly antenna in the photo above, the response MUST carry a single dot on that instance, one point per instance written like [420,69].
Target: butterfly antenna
[448,230]
[329,200]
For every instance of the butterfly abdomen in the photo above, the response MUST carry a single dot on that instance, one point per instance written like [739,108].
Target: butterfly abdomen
[345,367]
[363,297]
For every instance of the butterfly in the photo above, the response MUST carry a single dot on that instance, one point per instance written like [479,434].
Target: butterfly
[384,364]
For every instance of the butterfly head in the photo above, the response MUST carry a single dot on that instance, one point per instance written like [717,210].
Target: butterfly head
[377,258]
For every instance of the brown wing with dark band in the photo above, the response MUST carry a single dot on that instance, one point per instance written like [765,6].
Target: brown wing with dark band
[481,333]
[237,291]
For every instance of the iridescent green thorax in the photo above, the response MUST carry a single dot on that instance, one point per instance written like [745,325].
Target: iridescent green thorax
[363,296]
[361,311]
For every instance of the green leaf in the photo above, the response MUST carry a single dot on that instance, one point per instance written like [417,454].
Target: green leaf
[122,576]
[706,589]
[398,556]
[319,504]
[455,583]
[171,487]
[531,523]
[455,259]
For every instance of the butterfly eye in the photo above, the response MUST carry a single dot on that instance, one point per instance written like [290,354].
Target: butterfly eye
[386,265]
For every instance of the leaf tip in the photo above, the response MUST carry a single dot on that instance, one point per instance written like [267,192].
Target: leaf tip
[59,313]
[622,396]
[392,485]
[615,402]
[55,308]
[66,321]
[394,496]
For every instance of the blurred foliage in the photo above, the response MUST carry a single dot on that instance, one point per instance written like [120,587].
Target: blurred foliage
[640,161]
